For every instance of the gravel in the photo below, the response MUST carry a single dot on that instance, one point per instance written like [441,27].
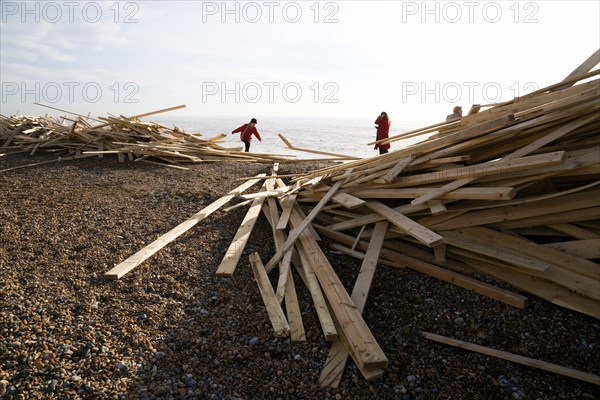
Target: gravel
[172,329]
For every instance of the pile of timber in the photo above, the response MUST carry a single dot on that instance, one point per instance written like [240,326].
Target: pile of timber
[509,191]
[122,136]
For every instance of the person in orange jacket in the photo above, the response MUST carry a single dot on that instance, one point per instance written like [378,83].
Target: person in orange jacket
[247,130]
[382,123]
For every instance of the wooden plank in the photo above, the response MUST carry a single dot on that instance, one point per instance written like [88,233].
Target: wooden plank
[492,249]
[347,200]
[585,67]
[312,283]
[133,261]
[583,214]
[521,214]
[521,247]
[437,207]
[471,193]
[238,205]
[439,252]
[12,136]
[293,236]
[407,225]
[442,190]
[362,343]
[279,236]
[362,229]
[367,270]
[530,362]
[276,315]
[588,248]
[336,156]
[484,169]
[332,372]
[240,239]
[292,308]
[397,169]
[574,231]
[286,206]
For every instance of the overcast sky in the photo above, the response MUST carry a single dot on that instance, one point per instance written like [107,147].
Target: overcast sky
[414,59]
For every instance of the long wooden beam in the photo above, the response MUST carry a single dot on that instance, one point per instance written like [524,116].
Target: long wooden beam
[332,372]
[276,315]
[363,344]
[133,261]
[240,239]
[530,362]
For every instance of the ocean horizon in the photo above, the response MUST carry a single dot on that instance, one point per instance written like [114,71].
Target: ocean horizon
[344,136]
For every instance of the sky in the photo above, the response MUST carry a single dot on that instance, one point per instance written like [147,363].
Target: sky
[415,60]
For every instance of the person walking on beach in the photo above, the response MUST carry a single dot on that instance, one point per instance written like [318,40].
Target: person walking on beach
[382,123]
[456,114]
[247,130]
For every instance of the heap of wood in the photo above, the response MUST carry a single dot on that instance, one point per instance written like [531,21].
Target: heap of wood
[509,191]
[123,136]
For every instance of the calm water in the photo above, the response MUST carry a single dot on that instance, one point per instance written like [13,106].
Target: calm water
[348,136]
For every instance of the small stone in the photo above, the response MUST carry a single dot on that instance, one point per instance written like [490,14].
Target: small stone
[3,386]
[191,382]
[52,386]
[161,391]
[253,341]
[411,378]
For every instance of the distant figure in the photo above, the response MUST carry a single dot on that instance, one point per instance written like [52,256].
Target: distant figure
[382,123]
[247,130]
[456,114]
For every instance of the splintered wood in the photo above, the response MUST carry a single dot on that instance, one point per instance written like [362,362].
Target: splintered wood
[510,191]
[121,136]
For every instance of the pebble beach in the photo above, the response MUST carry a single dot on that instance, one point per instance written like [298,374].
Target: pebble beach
[172,329]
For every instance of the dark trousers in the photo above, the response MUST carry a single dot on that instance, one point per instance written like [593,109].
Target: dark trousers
[383,151]
[247,144]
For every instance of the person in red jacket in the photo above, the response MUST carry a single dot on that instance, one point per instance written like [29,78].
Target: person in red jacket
[382,123]
[247,130]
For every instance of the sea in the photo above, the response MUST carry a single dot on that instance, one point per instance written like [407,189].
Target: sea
[344,136]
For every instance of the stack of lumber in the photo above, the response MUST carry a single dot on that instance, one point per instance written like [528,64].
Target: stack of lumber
[123,136]
[510,191]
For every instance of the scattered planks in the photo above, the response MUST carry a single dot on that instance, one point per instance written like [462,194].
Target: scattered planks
[142,255]
[122,136]
[510,191]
